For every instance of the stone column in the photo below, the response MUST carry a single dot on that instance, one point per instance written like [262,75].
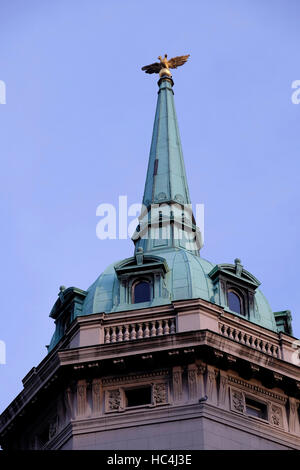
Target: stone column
[81,397]
[293,416]
[69,402]
[192,382]
[201,369]
[96,396]
[211,385]
[177,383]
[223,390]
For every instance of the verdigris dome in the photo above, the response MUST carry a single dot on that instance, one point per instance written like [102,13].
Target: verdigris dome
[186,278]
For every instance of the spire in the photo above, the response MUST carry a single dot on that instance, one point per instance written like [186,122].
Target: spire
[166,220]
[166,179]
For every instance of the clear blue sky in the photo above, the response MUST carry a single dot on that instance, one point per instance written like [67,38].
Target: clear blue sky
[76,132]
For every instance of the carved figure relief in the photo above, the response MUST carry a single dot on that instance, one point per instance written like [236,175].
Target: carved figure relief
[160,393]
[276,415]
[237,401]
[113,400]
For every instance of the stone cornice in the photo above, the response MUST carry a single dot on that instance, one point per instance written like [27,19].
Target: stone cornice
[177,341]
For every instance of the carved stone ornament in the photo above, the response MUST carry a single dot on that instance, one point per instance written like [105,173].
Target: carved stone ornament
[160,393]
[177,383]
[53,427]
[276,415]
[113,400]
[237,400]
[96,389]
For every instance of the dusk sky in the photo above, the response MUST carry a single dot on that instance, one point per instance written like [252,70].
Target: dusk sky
[76,131]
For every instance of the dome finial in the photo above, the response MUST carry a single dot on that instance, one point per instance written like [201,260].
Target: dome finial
[238,266]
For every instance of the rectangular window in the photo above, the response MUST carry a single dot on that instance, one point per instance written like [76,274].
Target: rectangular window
[138,396]
[256,408]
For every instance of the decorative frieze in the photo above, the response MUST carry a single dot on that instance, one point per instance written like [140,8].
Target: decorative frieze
[257,389]
[115,399]
[274,412]
[135,377]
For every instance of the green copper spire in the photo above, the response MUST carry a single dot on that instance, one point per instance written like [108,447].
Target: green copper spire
[167,218]
[166,178]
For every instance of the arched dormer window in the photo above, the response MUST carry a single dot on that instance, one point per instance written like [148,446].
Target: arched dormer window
[235,302]
[141,292]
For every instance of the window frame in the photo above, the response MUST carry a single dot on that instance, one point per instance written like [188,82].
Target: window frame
[241,298]
[133,286]
[259,402]
[137,387]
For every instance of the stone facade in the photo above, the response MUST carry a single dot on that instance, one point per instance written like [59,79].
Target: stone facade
[201,383]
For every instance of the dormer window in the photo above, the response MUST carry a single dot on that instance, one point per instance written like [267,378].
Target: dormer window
[235,302]
[141,292]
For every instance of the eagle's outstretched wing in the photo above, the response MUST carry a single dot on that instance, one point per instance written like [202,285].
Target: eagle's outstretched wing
[177,61]
[152,68]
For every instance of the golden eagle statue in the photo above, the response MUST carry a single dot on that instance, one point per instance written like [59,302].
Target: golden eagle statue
[164,65]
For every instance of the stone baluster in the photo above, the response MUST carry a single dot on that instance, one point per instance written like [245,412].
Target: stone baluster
[166,327]
[113,335]
[146,331]
[172,326]
[107,335]
[126,333]
[159,329]
[120,333]
[153,329]
[133,332]
[140,332]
